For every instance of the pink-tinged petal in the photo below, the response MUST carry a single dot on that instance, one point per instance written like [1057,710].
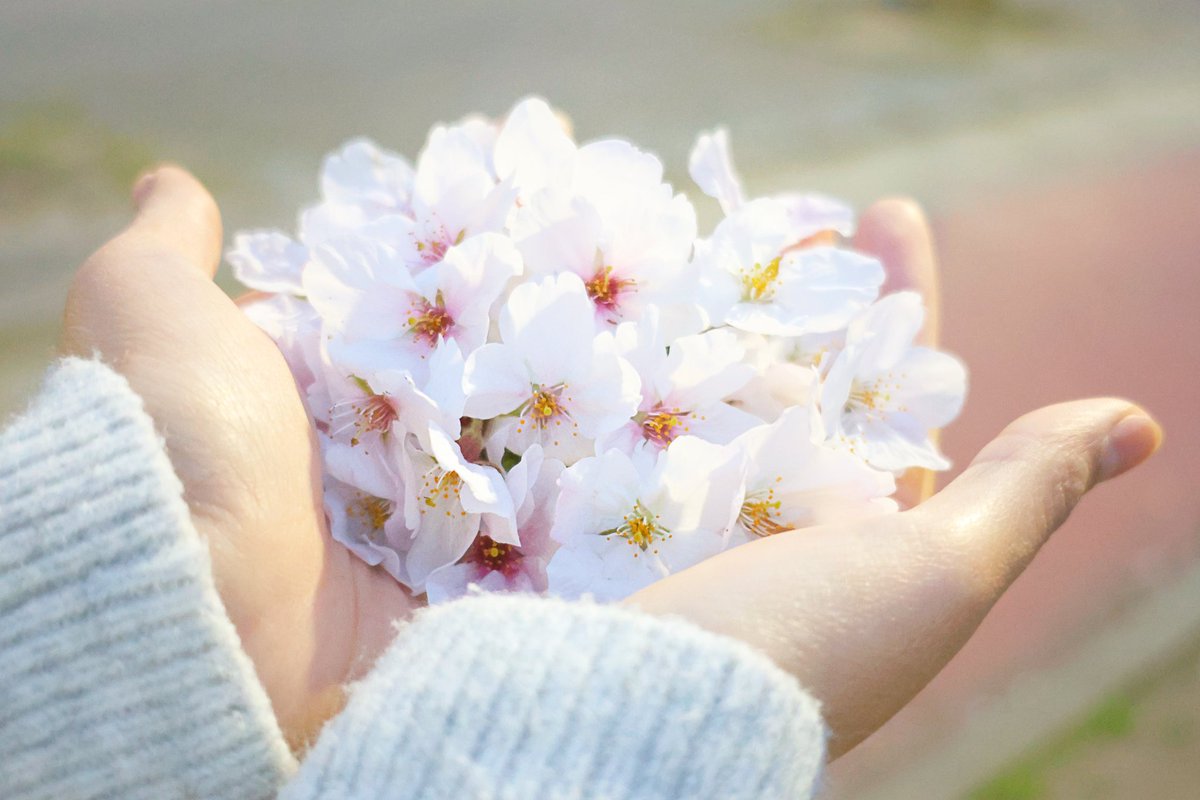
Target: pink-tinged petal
[706,368]
[607,396]
[452,169]
[458,580]
[564,245]
[811,214]
[491,212]
[359,287]
[532,148]
[484,491]
[363,174]
[595,495]
[704,482]
[931,386]
[574,572]
[441,540]
[895,444]
[368,525]
[362,357]
[626,439]
[885,331]
[609,171]
[689,548]
[836,388]
[268,261]
[711,167]
[469,280]
[720,423]
[296,329]
[370,472]
[496,380]
[823,288]
[551,324]
[602,569]
[450,582]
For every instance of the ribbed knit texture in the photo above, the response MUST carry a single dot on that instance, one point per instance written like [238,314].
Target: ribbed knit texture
[120,674]
[534,699]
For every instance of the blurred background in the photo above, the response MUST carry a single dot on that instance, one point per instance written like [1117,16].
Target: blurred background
[1056,144]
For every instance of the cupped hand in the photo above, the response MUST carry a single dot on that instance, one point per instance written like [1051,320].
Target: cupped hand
[866,614]
[310,615]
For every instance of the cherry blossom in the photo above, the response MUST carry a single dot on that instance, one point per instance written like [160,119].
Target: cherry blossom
[683,386]
[364,292]
[446,500]
[752,281]
[498,566]
[624,522]
[552,379]
[793,481]
[884,396]
[527,371]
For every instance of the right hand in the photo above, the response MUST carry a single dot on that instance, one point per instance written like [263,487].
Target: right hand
[866,614]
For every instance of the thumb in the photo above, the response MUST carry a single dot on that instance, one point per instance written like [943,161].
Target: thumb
[174,209]
[1023,485]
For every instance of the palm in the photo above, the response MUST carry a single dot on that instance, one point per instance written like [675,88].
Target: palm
[310,615]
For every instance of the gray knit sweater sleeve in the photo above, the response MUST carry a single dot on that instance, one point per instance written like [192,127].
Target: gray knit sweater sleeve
[523,698]
[121,676]
[120,673]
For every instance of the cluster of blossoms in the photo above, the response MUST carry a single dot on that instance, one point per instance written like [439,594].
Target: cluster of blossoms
[529,373]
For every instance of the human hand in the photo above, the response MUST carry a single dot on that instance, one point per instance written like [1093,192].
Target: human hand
[865,614]
[310,615]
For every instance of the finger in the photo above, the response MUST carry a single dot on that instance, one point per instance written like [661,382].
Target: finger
[175,210]
[865,615]
[1023,485]
[160,266]
[896,231]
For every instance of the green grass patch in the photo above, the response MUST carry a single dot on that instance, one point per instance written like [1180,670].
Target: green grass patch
[55,153]
[1114,718]
[1122,716]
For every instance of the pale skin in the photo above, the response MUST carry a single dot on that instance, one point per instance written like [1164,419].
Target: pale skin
[863,615]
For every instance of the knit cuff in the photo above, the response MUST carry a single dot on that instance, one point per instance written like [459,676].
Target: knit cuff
[518,697]
[120,673]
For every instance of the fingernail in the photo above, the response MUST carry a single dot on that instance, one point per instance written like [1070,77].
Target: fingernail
[1130,442]
[143,186]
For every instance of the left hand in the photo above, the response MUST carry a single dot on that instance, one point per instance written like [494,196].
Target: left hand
[310,615]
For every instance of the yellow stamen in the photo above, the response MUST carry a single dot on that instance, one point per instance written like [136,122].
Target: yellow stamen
[760,514]
[640,528]
[758,282]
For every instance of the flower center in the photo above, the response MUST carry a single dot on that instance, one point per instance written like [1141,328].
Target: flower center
[375,414]
[495,556]
[372,512]
[640,528]
[441,490]
[359,416]
[433,249]
[758,282]
[760,514]
[428,322]
[662,426]
[605,290]
[870,397]
[545,406]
